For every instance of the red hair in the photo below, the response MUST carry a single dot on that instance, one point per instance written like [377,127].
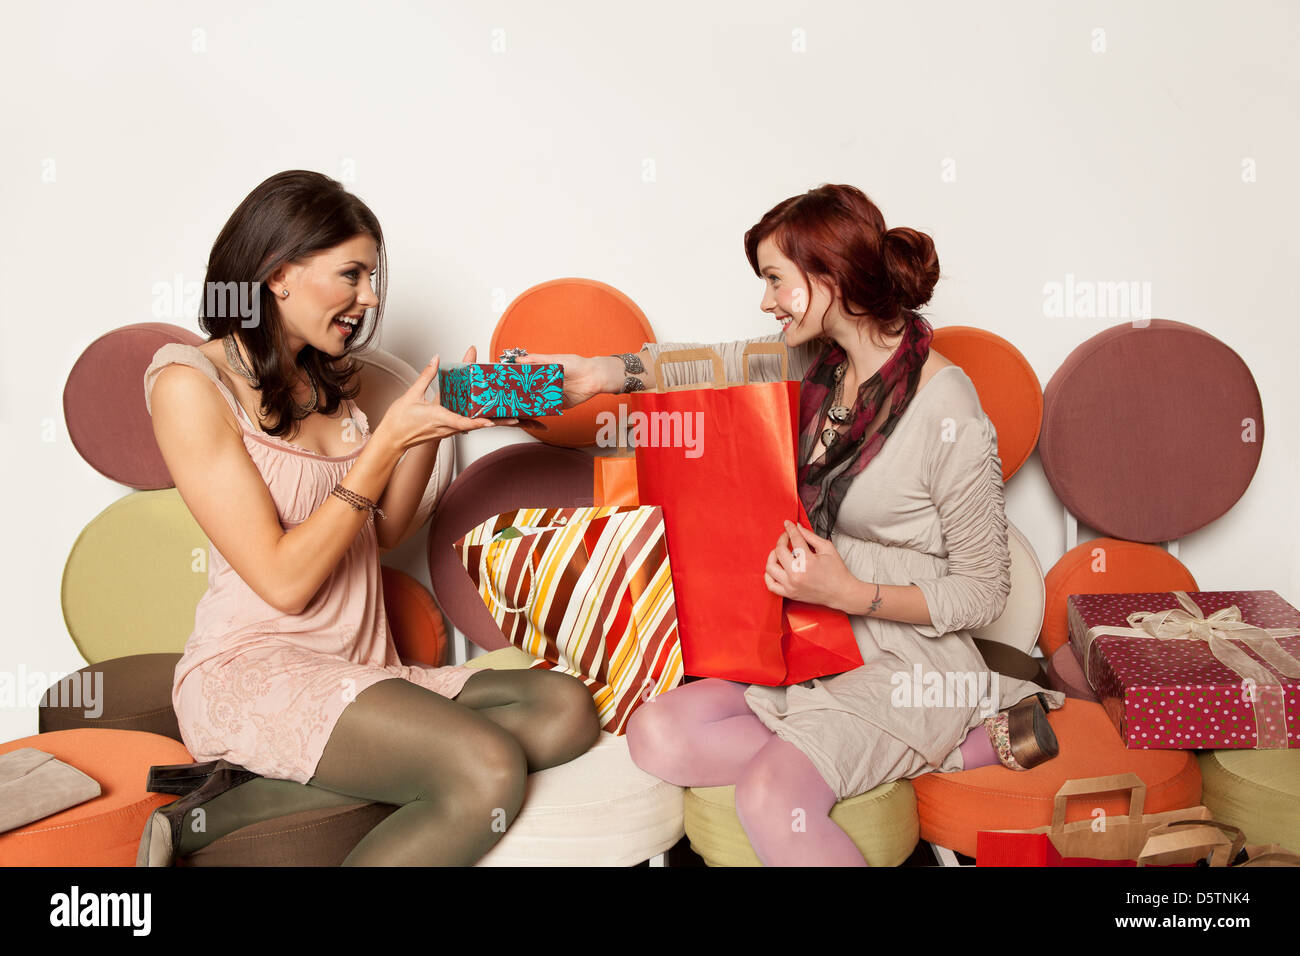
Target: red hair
[836,233]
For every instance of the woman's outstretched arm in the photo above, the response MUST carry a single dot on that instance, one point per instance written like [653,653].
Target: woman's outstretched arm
[588,376]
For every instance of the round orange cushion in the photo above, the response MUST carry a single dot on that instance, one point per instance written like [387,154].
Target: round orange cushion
[106,830]
[572,315]
[954,807]
[414,619]
[1122,567]
[1008,389]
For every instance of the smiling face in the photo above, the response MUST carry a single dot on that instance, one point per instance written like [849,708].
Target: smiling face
[801,306]
[329,294]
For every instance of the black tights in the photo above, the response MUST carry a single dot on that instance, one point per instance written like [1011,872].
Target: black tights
[456,769]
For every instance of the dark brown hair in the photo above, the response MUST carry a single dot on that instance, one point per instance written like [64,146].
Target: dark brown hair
[287,218]
[838,235]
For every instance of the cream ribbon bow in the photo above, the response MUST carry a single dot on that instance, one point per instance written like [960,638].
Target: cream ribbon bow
[1220,630]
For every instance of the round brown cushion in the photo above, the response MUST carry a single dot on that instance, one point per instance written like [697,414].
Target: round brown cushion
[130,693]
[1151,433]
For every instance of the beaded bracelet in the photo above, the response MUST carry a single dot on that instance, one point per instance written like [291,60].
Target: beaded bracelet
[360,502]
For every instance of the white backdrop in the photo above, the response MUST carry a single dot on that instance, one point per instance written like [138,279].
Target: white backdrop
[504,144]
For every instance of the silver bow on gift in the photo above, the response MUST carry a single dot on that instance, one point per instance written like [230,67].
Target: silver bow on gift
[511,356]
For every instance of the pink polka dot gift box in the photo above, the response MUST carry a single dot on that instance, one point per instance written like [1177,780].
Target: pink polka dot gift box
[1193,670]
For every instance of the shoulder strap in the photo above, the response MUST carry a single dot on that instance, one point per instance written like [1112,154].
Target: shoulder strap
[178,353]
[360,417]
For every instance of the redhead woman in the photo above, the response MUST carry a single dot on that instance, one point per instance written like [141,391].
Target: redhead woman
[290,690]
[899,473]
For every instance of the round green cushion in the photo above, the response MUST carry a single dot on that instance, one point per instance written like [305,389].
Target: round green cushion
[134,576]
[1256,790]
[881,822]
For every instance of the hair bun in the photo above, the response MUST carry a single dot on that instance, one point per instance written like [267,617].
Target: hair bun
[913,265]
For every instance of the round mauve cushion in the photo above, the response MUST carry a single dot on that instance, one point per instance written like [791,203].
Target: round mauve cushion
[1106,566]
[1150,433]
[103,403]
[105,830]
[1007,386]
[1065,673]
[525,475]
[954,807]
[580,316]
[134,576]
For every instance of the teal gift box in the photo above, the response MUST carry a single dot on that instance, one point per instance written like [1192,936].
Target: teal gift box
[502,390]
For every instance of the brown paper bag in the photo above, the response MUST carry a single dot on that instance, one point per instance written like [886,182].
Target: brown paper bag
[1121,838]
[1220,843]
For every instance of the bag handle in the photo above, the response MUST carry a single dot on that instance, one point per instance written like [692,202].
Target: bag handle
[1165,839]
[486,577]
[689,355]
[1094,785]
[767,348]
[1270,854]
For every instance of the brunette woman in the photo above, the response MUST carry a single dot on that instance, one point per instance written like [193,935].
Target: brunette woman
[290,689]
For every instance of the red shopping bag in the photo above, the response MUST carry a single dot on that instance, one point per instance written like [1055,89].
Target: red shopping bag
[720,460]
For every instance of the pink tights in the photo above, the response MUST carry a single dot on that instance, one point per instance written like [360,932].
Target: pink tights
[703,734]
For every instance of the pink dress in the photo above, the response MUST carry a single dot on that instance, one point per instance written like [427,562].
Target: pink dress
[262,688]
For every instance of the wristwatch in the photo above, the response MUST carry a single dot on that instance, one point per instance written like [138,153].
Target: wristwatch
[632,365]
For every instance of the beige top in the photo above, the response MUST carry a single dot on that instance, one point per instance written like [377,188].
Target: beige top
[928,510]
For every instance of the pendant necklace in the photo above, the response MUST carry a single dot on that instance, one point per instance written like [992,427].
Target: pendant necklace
[838,414]
[238,364]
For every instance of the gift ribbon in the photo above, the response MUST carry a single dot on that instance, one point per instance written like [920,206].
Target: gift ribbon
[1219,631]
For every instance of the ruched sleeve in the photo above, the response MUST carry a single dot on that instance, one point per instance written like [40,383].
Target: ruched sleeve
[965,481]
[763,368]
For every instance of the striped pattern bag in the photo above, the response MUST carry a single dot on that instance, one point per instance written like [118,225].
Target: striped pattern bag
[587,590]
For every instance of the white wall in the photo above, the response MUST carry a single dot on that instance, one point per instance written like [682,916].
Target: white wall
[503,144]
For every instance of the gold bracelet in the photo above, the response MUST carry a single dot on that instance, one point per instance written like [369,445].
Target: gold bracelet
[360,502]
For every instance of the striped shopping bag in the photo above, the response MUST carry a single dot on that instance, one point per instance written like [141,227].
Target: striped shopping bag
[587,590]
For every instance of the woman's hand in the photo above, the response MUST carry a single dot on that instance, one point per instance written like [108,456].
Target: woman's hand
[805,567]
[412,421]
[584,378]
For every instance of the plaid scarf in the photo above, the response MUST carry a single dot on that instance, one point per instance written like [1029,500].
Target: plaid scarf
[822,484]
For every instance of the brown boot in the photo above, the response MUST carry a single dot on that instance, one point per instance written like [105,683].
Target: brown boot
[162,831]
[1021,734]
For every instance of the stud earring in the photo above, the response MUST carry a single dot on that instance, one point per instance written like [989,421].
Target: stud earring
[285,293]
